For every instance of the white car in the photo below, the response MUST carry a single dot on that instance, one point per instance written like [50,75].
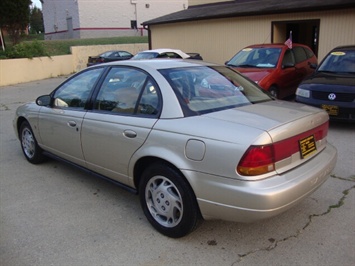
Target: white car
[165,53]
[194,140]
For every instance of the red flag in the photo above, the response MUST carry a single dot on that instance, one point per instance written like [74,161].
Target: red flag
[289,41]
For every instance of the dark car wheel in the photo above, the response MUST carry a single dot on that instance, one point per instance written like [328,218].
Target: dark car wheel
[168,201]
[274,92]
[30,148]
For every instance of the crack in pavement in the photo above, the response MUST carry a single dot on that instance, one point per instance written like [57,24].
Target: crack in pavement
[351,178]
[4,107]
[310,218]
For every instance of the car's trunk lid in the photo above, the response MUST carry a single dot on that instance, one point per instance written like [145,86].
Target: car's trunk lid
[272,114]
[298,132]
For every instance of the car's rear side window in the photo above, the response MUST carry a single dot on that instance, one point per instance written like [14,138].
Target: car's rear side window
[309,52]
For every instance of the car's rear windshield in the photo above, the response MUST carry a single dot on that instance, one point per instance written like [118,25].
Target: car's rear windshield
[147,55]
[207,89]
[106,54]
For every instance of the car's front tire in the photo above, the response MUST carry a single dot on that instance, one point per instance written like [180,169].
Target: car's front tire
[168,201]
[274,92]
[29,145]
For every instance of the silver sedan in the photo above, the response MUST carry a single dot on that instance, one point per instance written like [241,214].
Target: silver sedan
[194,140]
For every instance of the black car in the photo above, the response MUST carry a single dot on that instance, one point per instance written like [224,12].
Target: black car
[332,86]
[109,56]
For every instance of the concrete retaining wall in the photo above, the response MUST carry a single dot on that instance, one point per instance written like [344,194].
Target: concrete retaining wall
[14,71]
[81,53]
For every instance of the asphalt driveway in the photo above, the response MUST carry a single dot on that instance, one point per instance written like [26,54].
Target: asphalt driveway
[54,214]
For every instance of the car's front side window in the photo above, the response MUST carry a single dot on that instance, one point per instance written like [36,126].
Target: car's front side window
[75,92]
[300,54]
[289,59]
[128,91]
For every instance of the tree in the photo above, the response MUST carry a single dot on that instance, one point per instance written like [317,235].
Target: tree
[15,17]
[36,20]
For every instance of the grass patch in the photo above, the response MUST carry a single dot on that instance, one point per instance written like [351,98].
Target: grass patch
[62,47]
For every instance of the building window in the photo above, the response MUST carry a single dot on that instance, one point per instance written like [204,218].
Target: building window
[133,24]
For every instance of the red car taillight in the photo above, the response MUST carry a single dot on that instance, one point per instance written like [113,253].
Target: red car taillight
[259,160]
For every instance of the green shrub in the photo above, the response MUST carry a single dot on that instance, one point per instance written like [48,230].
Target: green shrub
[26,50]
[3,54]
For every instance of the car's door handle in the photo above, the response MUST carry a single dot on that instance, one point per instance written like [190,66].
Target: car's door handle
[72,123]
[130,133]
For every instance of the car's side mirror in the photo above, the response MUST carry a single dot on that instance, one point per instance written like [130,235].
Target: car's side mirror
[43,100]
[288,65]
[313,66]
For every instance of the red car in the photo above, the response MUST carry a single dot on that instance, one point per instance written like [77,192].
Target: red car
[275,67]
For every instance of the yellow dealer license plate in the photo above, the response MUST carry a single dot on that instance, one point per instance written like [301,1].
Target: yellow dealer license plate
[331,109]
[307,146]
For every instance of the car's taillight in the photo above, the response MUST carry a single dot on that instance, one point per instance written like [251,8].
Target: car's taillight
[259,160]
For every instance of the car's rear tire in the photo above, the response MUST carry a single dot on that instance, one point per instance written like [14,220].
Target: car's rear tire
[168,201]
[29,145]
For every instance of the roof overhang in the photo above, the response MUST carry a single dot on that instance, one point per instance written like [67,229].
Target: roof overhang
[249,8]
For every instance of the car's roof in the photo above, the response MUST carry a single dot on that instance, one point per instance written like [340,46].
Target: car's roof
[274,45]
[161,63]
[114,51]
[111,51]
[345,47]
[161,50]
[167,50]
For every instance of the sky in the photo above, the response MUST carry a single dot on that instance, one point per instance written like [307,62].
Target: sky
[37,3]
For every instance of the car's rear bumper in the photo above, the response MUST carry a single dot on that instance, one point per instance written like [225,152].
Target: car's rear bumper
[247,201]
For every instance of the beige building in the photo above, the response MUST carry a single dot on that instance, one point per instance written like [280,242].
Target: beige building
[78,19]
[218,29]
